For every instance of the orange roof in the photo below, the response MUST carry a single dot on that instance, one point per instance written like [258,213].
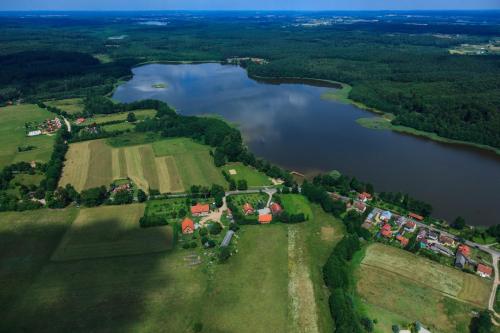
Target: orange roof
[187,223]
[484,269]
[403,240]
[247,207]
[464,249]
[386,227]
[265,218]
[199,208]
[416,216]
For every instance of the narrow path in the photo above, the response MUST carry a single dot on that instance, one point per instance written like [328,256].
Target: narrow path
[496,281]
[215,215]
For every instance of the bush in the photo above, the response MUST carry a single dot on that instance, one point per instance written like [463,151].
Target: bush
[224,253]
[215,228]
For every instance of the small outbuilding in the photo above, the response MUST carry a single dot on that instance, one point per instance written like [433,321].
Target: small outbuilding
[265,219]
[187,226]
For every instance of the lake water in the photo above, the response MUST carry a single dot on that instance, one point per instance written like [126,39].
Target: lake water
[290,125]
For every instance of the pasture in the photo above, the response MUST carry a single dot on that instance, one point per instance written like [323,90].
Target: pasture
[395,283]
[95,163]
[70,105]
[251,175]
[13,134]
[110,231]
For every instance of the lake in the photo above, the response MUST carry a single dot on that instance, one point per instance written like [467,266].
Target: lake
[290,125]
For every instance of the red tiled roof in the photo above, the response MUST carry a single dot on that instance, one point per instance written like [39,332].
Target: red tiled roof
[386,233]
[464,249]
[199,208]
[365,195]
[187,224]
[416,216]
[386,227]
[360,206]
[410,224]
[484,269]
[276,208]
[265,218]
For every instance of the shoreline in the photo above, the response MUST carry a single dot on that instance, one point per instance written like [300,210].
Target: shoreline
[341,95]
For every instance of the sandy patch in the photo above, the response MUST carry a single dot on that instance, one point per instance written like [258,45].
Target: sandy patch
[232,172]
[327,233]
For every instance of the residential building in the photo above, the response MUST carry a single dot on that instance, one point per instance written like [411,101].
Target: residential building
[200,209]
[34,133]
[464,250]
[386,233]
[432,235]
[410,226]
[265,219]
[364,197]
[276,208]
[422,234]
[385,215]
[403,240]
[484,271]
[438,248]
[248,209]
[360,207]
[448,241]
[187,226]
[264,211]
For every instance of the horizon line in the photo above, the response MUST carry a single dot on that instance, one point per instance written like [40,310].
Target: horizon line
[250,10]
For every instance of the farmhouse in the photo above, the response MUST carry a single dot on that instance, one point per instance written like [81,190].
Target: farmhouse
[79,121]
[200,209]
[265,219]
[248,209]
[410,226]
[484,271]
[187,226]
[276,208]
[34,133]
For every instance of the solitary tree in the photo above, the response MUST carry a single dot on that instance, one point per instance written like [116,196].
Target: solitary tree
[131,117]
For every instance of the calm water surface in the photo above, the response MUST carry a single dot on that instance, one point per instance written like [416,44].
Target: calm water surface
[290,125]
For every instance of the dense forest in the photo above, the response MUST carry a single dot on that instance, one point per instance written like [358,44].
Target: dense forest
[397,64]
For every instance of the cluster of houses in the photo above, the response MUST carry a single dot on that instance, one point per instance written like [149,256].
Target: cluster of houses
[48,126]
[239,60]
[265,215]
[122,187]
[401,228]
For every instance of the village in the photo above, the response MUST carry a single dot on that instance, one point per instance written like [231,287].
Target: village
[48,127]
[409,232]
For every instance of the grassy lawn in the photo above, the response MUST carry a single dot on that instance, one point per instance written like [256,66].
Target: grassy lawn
[257,200]
[95,163]
[396,286]
[119,127]
[296,204]
[27,179]
[111,231]
[251,175]
[70,105]
[252,285]
[13,134]
[339,95]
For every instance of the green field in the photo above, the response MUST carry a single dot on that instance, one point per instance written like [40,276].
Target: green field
[251,175]
[118,127]
[296,204]
[13,134]
[275,276]
[168,165]
[121,116]
[111,231]
[70,105]
[166,208]
[398,285]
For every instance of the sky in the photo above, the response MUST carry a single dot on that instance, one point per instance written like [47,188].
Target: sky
[246,4]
